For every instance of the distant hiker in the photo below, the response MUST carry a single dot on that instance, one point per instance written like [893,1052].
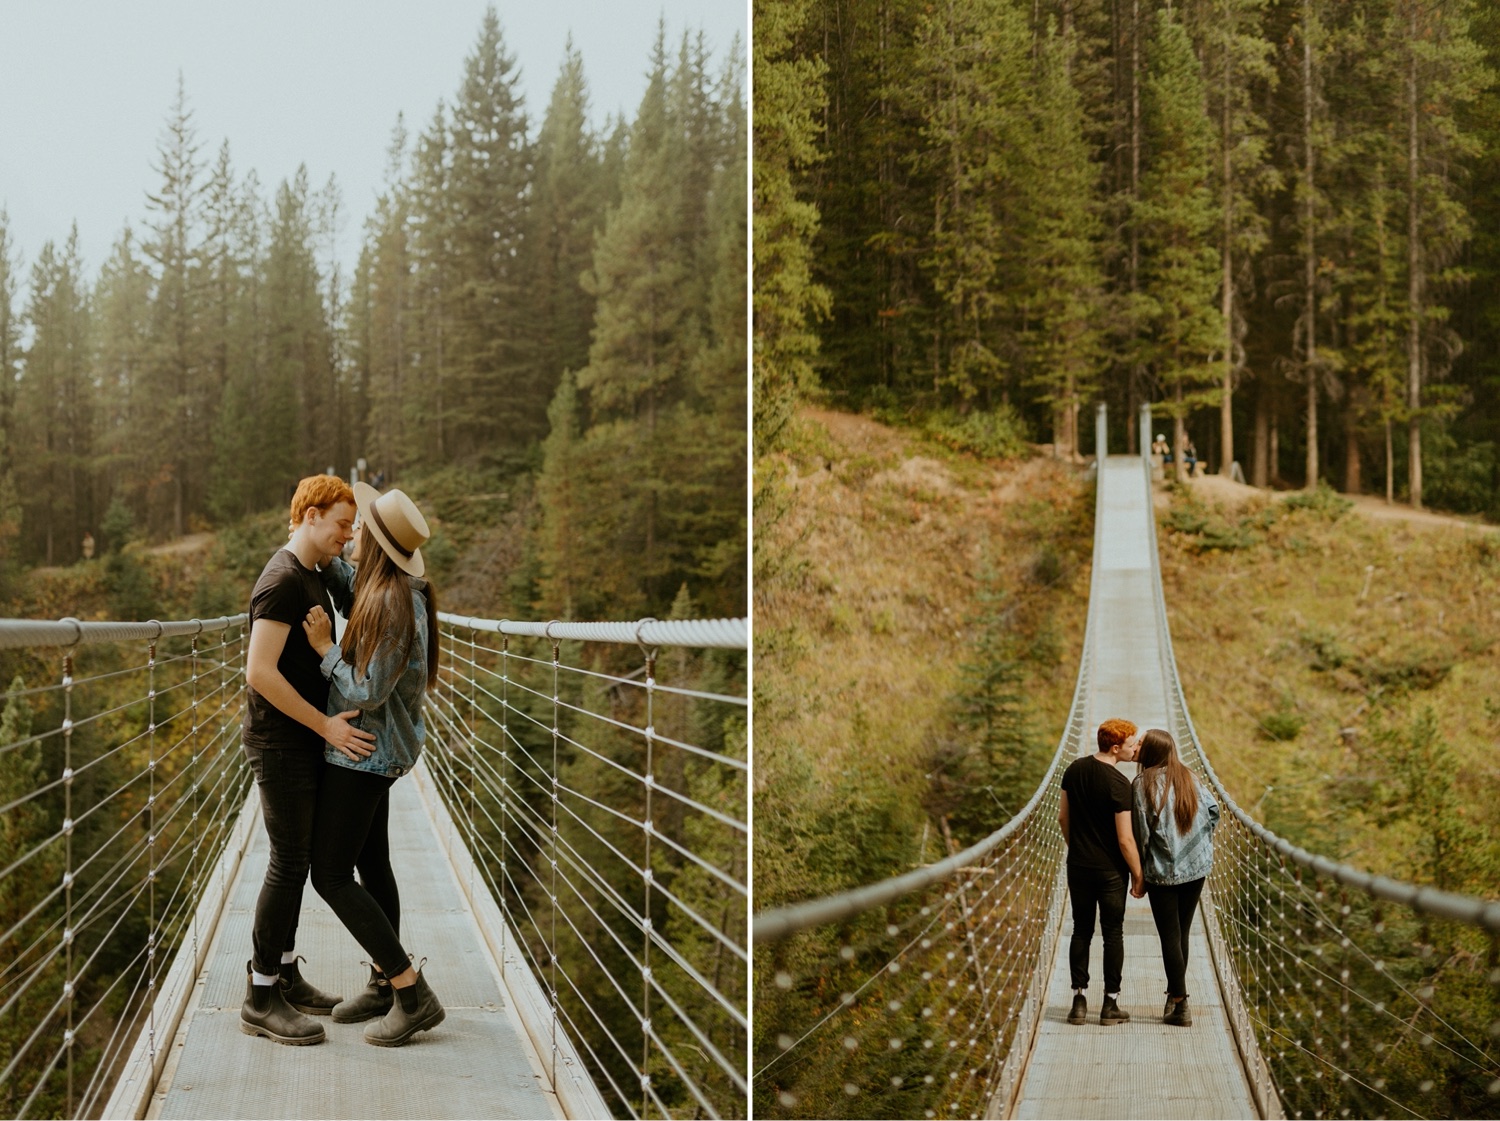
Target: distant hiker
[388,662]
[1173,818]
[378,482]
[284,733]
[1095,820]
[88,545]
[1159,446]
[1190,457]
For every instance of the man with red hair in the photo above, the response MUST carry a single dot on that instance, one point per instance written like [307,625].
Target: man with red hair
[286,726]
[1096,824]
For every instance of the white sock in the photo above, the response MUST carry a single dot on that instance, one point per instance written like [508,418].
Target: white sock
[1079,992]
[263,979]
[1113,996]
[289,957]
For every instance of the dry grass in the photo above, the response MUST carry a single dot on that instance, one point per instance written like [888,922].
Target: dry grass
[1332,630]
[879,557]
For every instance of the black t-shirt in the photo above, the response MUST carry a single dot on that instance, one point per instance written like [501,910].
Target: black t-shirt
[1096,792]
[285,593]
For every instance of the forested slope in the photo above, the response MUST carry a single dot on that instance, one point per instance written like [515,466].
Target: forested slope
[1269,218]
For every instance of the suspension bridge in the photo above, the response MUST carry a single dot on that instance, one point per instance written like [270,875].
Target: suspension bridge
[1318,990]
[571,853]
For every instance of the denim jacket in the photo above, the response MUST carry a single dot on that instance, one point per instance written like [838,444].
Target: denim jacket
[389,695]
[1169,857]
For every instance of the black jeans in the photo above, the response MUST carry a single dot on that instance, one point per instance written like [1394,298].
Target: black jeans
[1091,888]
[1173,906]
[352,831]
[288,779]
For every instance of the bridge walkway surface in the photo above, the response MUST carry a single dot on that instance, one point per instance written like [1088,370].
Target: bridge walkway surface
[479,1063]
[1143,1069]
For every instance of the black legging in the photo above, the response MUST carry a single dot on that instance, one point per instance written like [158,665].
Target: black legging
[351,831]
[1172,906]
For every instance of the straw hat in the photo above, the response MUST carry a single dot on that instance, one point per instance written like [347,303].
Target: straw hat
[396,523]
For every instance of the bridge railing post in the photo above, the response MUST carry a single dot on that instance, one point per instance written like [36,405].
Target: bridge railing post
[1101,435]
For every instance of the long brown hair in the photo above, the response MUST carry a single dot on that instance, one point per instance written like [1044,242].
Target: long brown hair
[1159,749]
[382,601]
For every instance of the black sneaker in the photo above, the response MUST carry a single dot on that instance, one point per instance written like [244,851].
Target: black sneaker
[1112,1013]
[1080,1012]
[1179,1015]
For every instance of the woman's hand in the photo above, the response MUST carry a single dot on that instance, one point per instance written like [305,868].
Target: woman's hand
[319,629]
[1137,887]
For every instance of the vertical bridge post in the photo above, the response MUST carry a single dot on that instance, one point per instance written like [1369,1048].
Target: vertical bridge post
[1146,431]
[1101,435]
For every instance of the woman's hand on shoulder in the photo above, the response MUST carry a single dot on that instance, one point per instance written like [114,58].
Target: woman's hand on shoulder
[319,630]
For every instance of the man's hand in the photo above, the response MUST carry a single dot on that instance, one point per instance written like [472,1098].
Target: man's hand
[1137,887]
[354,743]
[319,630]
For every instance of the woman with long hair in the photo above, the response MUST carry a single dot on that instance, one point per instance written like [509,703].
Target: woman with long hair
[1173,817]
[384,666]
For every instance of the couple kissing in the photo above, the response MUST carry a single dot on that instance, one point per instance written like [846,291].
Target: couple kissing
[1158,831]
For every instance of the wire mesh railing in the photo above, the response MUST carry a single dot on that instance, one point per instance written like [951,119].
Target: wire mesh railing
[909,997]
[120,778]
[602,797]
[1364,996]
[598,773]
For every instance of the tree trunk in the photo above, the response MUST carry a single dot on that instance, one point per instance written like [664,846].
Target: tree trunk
[1259,475]
[1310,265]
[1414,285]
[1275,448]
[1179,437]
[1390,464]
[1226,404]
[1353,483]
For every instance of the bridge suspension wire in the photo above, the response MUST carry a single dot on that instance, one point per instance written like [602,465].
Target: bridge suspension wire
[599,775]
[605,810]
[1350,995]
[120,779]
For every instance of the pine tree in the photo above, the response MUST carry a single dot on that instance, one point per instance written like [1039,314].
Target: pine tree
[1237,62]
[567,213]
[1064,297]
[788,97]
[174,416]
[497,397]
[972,81]
[56,400]
[1180,264]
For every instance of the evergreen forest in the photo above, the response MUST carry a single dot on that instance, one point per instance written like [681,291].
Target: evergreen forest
[1268,218]
[553,310]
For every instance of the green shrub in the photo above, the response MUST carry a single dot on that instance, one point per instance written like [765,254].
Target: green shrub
[998,434]
[1322,500]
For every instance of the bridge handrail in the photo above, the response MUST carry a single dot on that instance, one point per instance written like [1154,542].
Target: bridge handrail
[723,634]
[782,922]
[1468,909]
[17,634]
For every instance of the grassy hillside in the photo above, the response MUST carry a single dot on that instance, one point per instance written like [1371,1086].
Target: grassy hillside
[913,604]
[1344,675]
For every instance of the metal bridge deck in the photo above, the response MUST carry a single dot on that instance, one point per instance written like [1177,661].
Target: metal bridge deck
[478,1063]
[1142,1068]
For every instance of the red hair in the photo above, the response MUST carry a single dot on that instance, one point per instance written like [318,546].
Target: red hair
[319,492]
[1114,732]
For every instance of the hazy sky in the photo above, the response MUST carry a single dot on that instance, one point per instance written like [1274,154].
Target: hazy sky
[85,86]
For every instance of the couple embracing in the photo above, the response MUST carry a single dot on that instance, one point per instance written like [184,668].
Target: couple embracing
[329,728]
[1158,830]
